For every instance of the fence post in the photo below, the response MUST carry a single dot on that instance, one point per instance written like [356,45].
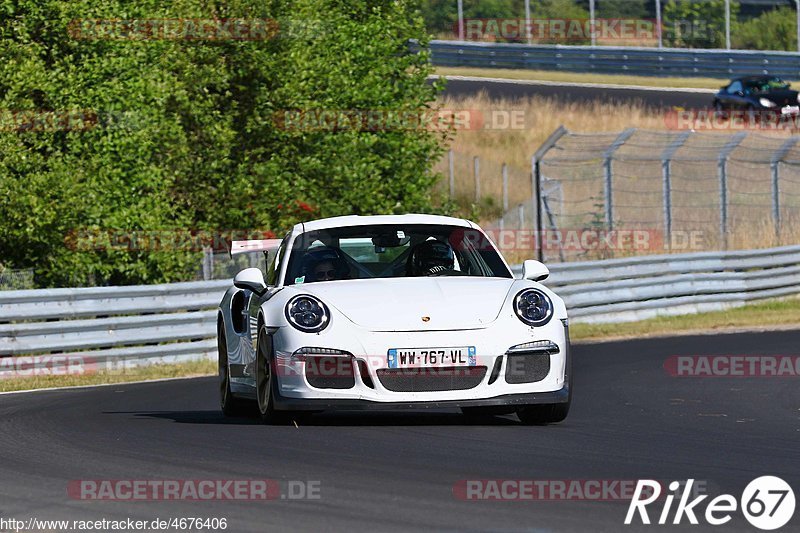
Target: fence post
[476,170]
[774,166]
[658,24]
[208,263]
[608,186]
[451,172]
[666,174]
[722,165]
[536,184]
[505,196]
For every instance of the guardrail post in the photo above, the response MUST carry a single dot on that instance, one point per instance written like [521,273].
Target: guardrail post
[666,174]
[536,184]
[608,185]
[476,170]
[774,166]
[505,196]
[722,164]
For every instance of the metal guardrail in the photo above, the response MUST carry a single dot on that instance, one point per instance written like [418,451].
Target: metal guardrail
[617,60]
[101,326]
[175,322]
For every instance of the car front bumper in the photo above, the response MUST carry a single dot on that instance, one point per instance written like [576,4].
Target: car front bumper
[496,385]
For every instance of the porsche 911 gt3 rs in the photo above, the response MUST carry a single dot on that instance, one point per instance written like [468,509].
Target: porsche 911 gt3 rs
[392,312]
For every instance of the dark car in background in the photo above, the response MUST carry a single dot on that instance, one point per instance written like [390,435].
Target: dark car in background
[758,93]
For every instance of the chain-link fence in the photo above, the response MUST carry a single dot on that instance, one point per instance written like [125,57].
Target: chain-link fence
[640,192]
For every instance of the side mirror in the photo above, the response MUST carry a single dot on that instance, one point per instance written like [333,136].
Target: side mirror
[251,279]
[534,270]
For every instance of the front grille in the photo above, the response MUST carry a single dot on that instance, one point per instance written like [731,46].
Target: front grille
[324,372]
[431,379]
[527,367]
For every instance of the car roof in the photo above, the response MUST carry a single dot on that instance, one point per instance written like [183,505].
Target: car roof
[761,77]
[370,220]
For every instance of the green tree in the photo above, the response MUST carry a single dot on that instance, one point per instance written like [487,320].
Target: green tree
[187,136]
[772,30]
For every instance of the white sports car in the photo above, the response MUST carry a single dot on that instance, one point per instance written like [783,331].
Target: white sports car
[392,312]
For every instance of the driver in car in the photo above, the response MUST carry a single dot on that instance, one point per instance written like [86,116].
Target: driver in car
[324,264]
[431,258]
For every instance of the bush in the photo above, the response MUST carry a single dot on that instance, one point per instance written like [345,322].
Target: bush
[772,30]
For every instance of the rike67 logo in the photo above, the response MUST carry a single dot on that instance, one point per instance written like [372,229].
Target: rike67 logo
[767,503]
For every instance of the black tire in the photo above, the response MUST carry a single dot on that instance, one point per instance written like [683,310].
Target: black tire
[265,381]
[719,109]
[231,406]
[547,413]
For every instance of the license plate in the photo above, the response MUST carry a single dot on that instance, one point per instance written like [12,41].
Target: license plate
[790,110]
[431,357]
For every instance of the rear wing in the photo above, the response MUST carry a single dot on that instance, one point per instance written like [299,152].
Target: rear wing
[258,245]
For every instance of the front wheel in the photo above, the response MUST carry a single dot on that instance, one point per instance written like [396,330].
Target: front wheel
[265,381]
[720,110]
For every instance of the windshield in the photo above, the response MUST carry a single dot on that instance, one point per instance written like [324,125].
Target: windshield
[392,251]
[768,84]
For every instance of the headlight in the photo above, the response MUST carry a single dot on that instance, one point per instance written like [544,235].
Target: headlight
[307,313]
[533,307]
[766,103]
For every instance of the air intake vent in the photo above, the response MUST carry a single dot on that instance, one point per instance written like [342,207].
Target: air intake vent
[330,372]
[527,367]
[431,379]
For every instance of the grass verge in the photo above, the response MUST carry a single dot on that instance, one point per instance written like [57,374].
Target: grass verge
[579,77]
[145,373]
[772,314]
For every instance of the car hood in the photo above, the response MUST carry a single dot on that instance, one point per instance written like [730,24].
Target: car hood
[402,304]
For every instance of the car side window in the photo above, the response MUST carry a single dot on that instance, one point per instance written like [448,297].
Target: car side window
[734,87]
[274,266]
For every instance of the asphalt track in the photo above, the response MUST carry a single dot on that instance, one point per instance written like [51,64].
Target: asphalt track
[652,98]
[396,471]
